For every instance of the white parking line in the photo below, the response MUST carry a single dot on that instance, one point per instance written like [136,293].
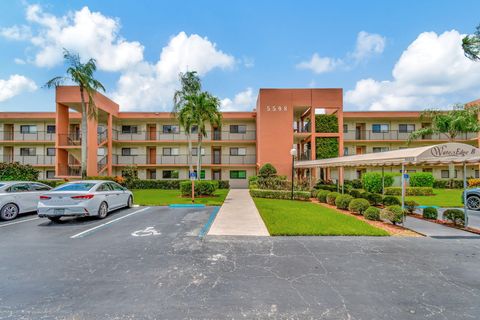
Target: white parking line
[16,222]
[81,234]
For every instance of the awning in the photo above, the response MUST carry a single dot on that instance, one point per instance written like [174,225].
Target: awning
[445,153]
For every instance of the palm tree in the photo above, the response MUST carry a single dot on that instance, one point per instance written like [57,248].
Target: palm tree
[82,75]
[183,112]
[471,45]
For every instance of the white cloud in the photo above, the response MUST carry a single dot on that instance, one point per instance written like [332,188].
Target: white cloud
[91,34]
[15,85]
[319,64]
[431,69]
[368,44]
[152,85]
[19,61]
[243,101]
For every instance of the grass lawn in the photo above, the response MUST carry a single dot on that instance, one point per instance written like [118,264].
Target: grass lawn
[157,197]
[442,198]
[297,218]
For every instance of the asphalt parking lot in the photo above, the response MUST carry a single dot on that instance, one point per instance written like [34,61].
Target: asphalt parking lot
[149,263]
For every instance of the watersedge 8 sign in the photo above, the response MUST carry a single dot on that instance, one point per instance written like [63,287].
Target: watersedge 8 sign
[444,151]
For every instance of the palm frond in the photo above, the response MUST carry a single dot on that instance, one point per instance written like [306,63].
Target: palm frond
[55,82]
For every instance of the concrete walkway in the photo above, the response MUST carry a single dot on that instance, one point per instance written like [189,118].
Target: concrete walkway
[238,216]
[435,230]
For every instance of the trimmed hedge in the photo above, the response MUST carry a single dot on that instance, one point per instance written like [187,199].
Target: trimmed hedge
[356,193]
[448,184]
[156,184]
[430,213]
[409,191]
[322,195]
[394,214]
[372,181]
[342,201]
[331,197]
[372,213]
[358,205]
[374,198]
[455,215]
[329,187]
[391,200]
[280,194]
[202,187]
[421,179]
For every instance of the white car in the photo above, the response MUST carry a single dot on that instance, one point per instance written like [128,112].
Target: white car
[82,199]
[19,197]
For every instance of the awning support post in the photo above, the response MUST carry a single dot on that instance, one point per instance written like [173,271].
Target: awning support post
[383,180]
[465,208]
[403,190]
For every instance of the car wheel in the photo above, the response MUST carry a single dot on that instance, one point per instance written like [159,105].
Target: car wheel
[54,219]
[130,202]
[102,210]
[9,211]
[473,203]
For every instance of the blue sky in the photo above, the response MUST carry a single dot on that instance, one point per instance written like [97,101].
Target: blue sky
[386,55]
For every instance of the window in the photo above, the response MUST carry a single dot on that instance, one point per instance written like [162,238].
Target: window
[171,129]
[130,129]
[21,187]
[115,186]
[51,128]
[170,174]
[170,151]
[28,151]
[126,151]
[238,174]
[477,174]
[39,187]
[380,128]
[427,170]
[406,128]
[75,186]
[202,174]
[104,187]
[445,174]
[51,151]
[379,149]
[345,151]
[238,151]
[345,128]
[237,128]
[50,174]
[195,151]
[152,174]
[194,129]
[28,129]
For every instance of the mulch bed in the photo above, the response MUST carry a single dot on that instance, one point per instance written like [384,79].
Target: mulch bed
[445,223]
[393,230]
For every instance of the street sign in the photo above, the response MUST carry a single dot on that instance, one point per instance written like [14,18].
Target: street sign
[406,176]
[193,175]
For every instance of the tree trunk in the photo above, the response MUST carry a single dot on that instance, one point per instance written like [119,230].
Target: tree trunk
[189,154]
[84,130]
[199,155]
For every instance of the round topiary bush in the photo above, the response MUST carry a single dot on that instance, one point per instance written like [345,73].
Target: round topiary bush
[322,195]
[375,199]
[410,206]
[342,201]
[394,214]
[358,206]
[430,213]
[391,201]
[455,215]
[331,196]
[355,193]
[372,213]
[267,171]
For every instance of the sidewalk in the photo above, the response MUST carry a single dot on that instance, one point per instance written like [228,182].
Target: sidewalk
[435,230]
[238,216]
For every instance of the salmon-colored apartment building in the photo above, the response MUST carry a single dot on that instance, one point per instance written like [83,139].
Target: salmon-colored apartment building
[310,120]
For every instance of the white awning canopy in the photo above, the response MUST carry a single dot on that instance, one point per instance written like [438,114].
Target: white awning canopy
[444,153]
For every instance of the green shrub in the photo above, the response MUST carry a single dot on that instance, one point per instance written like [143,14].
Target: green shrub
[326,148]
[253,182]
[322,195]
[17,172]
[329,187]
[267,171]
[448,184]
[130,174]
[313,193]
[372,181]
[223,184]
[391,200]
[410,206]
[394,214]
[372,213]
[374,198]
[421,179]
[280,194]
[357,183]
[155,184]
[430,213]
[273,183]
[202,187]
[326,123]
[455,215]
[342,201]
[409,191]
[331,197]
[358,205]
[52,183]
[356,193]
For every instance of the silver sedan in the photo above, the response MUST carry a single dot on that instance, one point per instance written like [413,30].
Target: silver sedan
[18,197]
[84,198]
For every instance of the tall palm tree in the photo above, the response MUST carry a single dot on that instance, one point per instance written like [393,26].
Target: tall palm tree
[471,45]
[82,75]
[183,112]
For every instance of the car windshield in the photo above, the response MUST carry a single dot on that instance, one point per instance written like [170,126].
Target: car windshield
[75,187]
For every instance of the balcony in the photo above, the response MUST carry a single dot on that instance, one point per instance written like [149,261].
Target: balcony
[40,160]
[353,135]
[70,139]
[181,136]
[22,136]
[182,160]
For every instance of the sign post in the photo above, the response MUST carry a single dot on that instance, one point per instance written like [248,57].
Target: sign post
[193,177]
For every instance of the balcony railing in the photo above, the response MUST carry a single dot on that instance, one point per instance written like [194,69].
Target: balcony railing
[32,160]
[102,163]
[397,135]
[181,136]
[182,159]
[102,136]
[70,139]
[306,155]
[23,136]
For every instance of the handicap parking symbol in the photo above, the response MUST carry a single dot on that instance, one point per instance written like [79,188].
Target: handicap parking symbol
[149,231]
